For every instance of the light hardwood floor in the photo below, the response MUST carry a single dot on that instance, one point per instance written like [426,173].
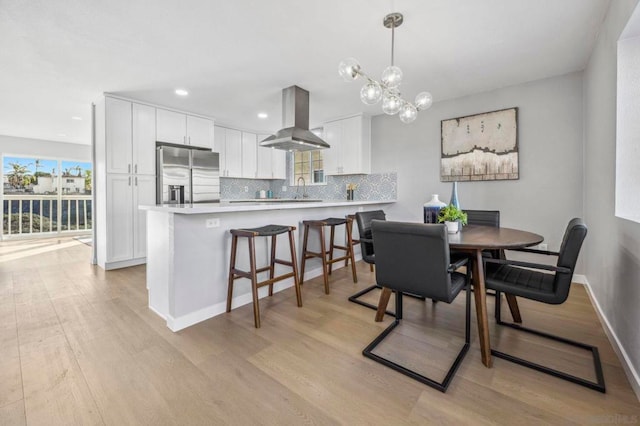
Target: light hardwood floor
[79,346]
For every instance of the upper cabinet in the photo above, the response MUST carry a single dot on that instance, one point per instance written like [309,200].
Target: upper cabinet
[130,135]
[228,142]
[200,131]
[272,162]
[249,155]
[172,126]
[350,140]
[144,139]
[184,129]
[117,133]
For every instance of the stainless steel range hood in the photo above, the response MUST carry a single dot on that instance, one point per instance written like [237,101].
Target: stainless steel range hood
[295,136]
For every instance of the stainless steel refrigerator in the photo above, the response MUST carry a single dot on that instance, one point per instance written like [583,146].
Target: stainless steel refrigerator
[187,175]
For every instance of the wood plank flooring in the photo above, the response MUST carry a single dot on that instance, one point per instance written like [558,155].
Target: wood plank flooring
[78,345]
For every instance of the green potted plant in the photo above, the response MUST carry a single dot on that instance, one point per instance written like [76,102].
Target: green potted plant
[453,217]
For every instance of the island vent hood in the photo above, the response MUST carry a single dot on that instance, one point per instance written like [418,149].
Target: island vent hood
[295,136]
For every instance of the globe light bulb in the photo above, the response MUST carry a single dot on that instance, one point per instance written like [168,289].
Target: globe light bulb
[371,93]
[423,100]
[392,77]
[391,103]
[348,69]
[408,113]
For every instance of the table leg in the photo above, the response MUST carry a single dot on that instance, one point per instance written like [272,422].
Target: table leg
[382,303]
[513,307]
[480,297]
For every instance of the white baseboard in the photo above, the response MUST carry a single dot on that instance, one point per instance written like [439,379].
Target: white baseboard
[579,279]
[624,358]
[184,321]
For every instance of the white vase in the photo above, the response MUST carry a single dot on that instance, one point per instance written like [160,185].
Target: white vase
[432,209]
[452,227]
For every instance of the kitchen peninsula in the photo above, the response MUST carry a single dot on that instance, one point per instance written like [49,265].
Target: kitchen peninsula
[188,248]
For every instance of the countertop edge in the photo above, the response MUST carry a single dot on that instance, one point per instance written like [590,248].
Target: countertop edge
[226,207]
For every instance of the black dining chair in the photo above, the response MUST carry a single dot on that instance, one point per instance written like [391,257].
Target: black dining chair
[486,218]
[547,284]
[414,258]
[363,220]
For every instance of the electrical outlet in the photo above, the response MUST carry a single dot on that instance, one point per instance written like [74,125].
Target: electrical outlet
[246,189]
[360,209]
[543,246]
[213,223]
[284,189]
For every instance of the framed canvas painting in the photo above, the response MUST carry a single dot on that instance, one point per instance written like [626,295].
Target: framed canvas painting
[480,147]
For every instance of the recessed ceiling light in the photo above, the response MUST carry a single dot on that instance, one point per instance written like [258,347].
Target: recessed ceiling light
[263,115]
[62,134]
[75,117]
[181,92]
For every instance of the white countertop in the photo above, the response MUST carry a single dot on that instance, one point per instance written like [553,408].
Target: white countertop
[243,206]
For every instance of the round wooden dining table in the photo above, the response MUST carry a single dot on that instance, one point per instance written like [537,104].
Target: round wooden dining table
[474,239]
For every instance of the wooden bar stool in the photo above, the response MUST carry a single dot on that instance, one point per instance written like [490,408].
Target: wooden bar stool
[265,231]
[354,242]
[327,255]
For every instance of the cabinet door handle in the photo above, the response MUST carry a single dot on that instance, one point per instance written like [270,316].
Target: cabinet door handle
[136,180]
[129,180]
[128,168]
[135,168]
[189,140]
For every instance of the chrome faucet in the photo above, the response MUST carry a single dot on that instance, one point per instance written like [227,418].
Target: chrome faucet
[304,188]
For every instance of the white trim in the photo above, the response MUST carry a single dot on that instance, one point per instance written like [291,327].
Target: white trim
[579,279]
[178,323]
[124,263]
[182,322]
[625,360]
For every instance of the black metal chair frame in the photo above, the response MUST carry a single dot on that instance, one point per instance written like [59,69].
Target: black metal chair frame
[362,240]
[599,384]
[441,386]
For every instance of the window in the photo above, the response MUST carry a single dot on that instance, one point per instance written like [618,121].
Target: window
[45,196]
[309,166]
[627,200]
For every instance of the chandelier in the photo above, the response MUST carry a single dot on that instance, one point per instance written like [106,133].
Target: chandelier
[388,88]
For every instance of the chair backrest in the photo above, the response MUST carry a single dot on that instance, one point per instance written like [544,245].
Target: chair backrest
[483,217]
[572,241]
[413,258]
[363,219]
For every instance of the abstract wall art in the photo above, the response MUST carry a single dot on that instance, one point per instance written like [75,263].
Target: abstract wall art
[480,147]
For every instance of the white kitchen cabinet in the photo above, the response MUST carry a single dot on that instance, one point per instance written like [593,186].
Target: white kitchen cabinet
[350,141]
[117,131]
[279,163]
[171,126]
[130,137]
[199,131]
[144,193]
[126,224]
[125,143]
[184,129]
[119,218]
[249,155]
[272,163]
[144,139]
[228,142]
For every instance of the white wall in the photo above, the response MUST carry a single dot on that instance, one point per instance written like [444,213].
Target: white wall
[612,251]
[11,145]
[549,191]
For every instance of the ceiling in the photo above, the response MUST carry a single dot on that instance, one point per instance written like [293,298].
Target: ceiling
[235,57]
